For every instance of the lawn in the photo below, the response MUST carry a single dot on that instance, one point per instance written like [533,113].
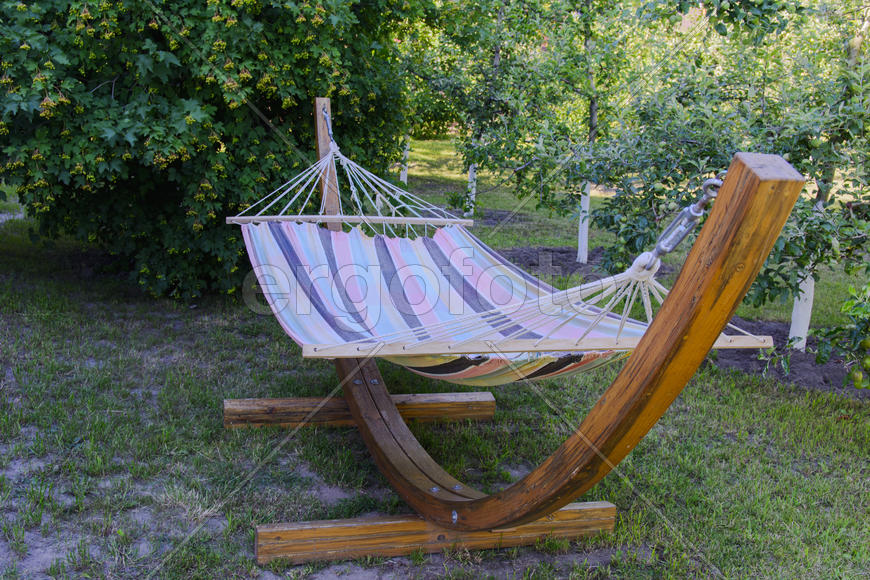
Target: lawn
[114,462]
[8,201]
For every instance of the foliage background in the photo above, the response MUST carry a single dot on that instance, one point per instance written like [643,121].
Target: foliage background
[139,127]
[649,99]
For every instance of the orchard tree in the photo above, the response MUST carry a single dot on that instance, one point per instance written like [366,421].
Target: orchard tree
[430,110]
[494,62]
[837,146]
[798,89]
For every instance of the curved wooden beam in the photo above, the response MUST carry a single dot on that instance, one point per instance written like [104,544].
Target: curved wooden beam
[753,204]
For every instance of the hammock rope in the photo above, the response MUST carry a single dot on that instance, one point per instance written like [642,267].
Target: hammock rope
[377,204]
[532,316]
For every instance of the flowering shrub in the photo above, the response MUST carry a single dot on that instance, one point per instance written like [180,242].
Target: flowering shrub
[140,126]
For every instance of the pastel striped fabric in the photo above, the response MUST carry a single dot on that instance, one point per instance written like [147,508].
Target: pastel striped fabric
[330,288]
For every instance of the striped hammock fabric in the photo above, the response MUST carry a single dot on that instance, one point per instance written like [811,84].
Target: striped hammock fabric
[335,287]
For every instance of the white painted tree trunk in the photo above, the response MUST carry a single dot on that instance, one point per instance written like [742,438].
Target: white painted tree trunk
[471,194]
[583,226]
[406,153]
[801,313]
[802,310]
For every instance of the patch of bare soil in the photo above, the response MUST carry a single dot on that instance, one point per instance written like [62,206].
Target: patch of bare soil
[553,262]
[802,368]
[494,217]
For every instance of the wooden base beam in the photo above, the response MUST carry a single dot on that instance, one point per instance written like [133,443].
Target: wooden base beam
[402,535]
[478,406]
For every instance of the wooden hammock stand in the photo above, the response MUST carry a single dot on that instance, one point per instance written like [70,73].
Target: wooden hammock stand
[751,209]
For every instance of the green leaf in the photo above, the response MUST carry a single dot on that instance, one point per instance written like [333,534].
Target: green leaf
[144,64]
[168,58]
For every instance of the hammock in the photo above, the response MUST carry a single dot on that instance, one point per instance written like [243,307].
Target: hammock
[443,304]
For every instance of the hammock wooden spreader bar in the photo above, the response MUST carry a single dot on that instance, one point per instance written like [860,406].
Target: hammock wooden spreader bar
[508,346]
[352,219]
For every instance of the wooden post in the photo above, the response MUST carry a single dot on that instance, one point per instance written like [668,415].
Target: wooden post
[329,181]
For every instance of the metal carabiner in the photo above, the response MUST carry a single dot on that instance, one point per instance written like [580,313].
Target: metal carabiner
[685,222]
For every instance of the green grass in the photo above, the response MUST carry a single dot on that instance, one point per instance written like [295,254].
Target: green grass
[831,289]
[112,451]
[10,203]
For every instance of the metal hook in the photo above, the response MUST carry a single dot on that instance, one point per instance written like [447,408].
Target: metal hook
[710,189]
[328,125]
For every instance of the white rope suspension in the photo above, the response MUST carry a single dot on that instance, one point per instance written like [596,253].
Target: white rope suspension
[374,202]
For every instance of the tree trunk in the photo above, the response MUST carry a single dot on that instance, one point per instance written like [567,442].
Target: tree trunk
[801,312]
[583,227]
[802,309]
[590,76]
[406,152]
[593,103]
[471,193]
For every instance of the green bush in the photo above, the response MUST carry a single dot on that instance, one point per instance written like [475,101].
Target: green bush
[851,341]
[139,127]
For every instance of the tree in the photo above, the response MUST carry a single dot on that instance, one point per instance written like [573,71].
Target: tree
[138,127]
[495,63]
[800,90]
[846,115]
